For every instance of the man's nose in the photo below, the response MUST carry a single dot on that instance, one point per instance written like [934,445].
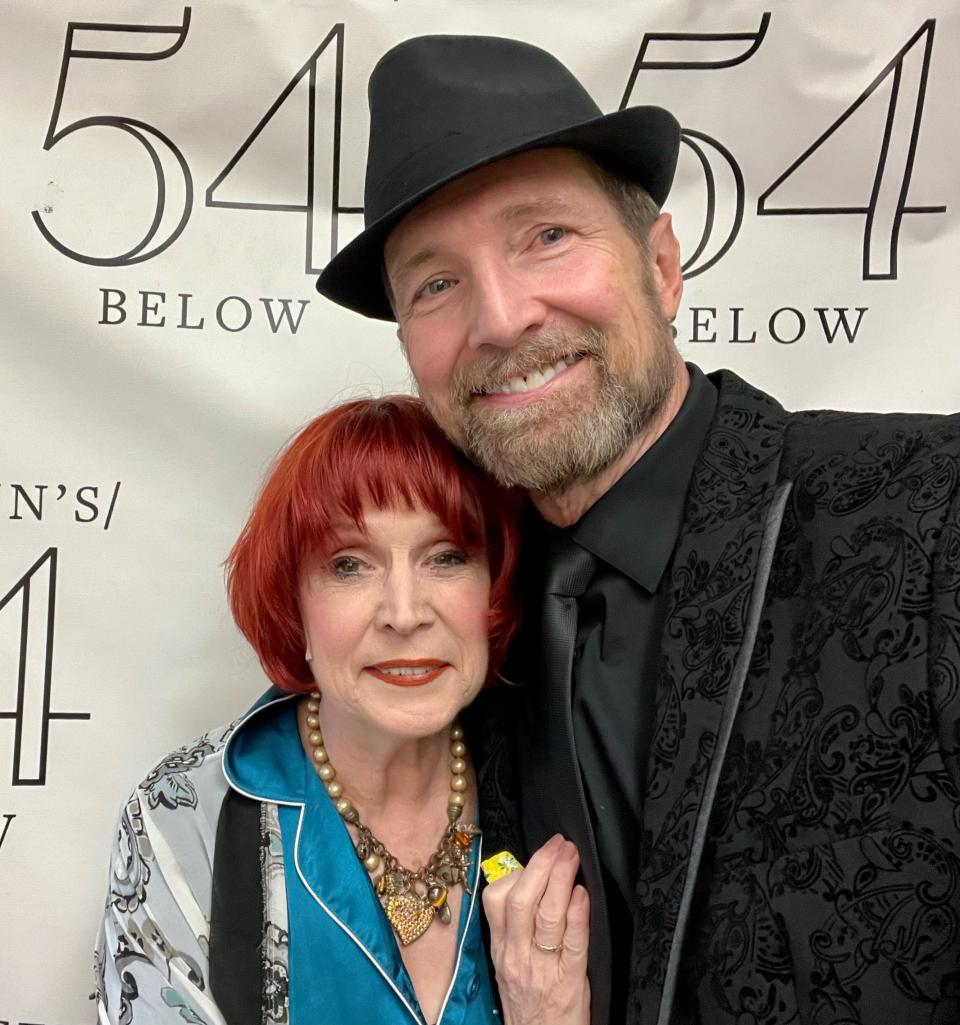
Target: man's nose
[502,309]
[405,603]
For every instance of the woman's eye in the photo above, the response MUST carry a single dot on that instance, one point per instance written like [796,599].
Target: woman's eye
[345,566]
[551,235]
[450,558]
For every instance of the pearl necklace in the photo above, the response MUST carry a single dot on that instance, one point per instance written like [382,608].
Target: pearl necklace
[411,900]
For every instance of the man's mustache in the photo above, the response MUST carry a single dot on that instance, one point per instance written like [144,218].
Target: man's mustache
[491,372]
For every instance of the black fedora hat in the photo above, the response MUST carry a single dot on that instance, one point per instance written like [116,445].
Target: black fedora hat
[441,106]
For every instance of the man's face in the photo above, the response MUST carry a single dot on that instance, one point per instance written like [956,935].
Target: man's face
[535,329]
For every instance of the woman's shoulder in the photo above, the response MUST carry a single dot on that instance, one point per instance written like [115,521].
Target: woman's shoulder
[190,777]
[167,830]
[152,950]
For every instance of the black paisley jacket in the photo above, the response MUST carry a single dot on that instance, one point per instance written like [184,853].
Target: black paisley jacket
[800,850]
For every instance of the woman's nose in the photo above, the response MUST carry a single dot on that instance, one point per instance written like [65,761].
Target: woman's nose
[405,604]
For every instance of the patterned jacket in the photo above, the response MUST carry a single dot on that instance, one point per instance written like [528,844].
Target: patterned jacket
[800,849]
[153,952]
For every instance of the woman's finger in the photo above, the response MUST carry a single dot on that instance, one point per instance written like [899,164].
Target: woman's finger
[496,894]
[494,899]
[551,912]
[520,903]
[576,936]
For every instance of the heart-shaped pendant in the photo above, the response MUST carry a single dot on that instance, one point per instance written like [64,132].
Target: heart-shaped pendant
[410,915]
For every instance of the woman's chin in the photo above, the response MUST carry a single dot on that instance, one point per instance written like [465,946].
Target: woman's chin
[417,715]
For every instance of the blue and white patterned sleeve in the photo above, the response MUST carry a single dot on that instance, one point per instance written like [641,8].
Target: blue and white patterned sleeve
[152,957]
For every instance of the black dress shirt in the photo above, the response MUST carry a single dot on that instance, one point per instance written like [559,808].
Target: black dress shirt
[632,531]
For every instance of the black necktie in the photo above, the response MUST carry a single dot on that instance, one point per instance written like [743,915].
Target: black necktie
[569,570]
[568,573]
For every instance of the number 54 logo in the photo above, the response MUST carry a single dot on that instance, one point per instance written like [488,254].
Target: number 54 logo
[882,209]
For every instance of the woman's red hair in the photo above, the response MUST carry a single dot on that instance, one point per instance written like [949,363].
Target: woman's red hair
[386,452]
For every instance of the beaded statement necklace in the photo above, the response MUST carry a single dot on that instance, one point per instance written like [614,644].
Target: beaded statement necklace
[411,900]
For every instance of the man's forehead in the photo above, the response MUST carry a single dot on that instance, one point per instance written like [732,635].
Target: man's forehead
[547,182]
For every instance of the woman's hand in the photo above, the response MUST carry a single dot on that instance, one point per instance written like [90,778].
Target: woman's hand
[535,908]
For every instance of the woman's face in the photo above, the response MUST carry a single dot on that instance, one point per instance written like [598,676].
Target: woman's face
[396,624]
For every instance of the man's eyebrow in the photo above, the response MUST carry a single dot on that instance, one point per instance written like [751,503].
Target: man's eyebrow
[547,206]
[418,259]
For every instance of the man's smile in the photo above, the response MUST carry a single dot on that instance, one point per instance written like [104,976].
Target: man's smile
[522,388]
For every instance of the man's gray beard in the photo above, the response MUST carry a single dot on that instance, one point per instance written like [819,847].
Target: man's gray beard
[549,446]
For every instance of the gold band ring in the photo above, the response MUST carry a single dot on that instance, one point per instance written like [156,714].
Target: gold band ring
[548,948]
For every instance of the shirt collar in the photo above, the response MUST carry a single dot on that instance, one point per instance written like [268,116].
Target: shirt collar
[263,758]
[634,526]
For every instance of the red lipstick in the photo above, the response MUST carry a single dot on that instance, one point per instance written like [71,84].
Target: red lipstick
[419,671]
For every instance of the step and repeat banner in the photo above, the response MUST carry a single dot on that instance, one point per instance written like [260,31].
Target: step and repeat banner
[173,179]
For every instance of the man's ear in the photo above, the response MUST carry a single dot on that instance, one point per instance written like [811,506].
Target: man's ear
[665,265]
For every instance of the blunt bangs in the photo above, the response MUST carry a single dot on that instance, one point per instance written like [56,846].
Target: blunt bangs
[384,452]
[389,454]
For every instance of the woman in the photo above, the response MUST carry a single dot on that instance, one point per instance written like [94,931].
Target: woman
[316,862]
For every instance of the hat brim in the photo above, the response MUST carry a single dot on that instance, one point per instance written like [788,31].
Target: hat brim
[639,143]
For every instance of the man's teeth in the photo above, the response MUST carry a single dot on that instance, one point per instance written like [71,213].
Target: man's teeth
[537,379]
[408,670]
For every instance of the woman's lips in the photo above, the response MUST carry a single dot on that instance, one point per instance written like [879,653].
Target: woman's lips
[408,672]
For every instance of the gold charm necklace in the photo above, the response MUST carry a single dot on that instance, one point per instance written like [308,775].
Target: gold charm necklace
[411,900]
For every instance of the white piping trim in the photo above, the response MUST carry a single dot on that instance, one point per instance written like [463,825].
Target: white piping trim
[376,964]
[296,859]
[466,929]
[226,748]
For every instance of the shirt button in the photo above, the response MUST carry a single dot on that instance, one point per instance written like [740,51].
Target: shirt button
[474,988]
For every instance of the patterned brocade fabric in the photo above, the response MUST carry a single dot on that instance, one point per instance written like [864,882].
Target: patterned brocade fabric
[829,892]
[152,956]
[276,933]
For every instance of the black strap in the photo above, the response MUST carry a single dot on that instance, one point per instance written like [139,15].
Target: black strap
[236,912]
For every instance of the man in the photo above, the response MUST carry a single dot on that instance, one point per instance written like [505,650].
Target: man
[745,706]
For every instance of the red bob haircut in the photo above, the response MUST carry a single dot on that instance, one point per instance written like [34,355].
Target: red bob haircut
[385,452]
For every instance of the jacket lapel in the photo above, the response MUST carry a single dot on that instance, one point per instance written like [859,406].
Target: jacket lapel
[714,599]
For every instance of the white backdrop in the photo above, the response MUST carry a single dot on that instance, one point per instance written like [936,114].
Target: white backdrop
[173,178]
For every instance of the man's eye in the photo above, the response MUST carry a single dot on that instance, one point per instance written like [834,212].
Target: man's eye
[345,566]
[437,286]
[551,235]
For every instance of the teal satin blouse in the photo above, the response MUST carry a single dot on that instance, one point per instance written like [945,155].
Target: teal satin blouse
[345,964]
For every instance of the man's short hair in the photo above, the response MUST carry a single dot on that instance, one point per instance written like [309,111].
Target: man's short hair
[633,203]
